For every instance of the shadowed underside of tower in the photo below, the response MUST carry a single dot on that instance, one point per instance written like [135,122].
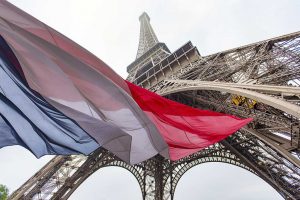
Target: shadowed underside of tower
[259,80]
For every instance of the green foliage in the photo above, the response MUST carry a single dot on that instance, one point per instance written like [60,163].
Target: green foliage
[3,192]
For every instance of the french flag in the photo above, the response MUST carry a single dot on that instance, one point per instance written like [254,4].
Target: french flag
[56,98]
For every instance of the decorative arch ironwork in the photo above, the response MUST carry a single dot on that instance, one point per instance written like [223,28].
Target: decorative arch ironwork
[262,71]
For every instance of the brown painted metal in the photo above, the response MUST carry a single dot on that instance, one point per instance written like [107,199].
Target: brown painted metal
[267,72]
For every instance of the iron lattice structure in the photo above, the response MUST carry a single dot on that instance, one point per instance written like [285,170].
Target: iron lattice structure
[260,80]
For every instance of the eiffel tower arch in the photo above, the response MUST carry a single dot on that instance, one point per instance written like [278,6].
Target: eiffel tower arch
[259,80]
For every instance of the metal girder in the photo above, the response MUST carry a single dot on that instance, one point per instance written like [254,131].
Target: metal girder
[147,36]
[267,162]
[159,177]
[175,86]
[267,72]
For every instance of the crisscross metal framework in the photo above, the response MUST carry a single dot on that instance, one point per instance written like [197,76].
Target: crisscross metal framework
[259,80]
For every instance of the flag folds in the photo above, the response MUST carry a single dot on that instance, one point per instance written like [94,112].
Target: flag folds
[58,98]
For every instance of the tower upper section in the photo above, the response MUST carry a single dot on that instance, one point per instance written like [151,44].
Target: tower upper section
[154,61]
[147,36]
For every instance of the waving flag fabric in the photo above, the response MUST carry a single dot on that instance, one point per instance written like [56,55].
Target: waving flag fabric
[185,129]
[58,98]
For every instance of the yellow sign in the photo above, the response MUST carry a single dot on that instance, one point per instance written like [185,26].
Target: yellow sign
[243,101]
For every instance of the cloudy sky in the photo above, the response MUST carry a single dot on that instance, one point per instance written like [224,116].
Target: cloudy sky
[110,29]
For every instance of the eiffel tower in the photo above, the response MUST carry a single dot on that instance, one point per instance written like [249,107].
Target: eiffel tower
[259,80]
